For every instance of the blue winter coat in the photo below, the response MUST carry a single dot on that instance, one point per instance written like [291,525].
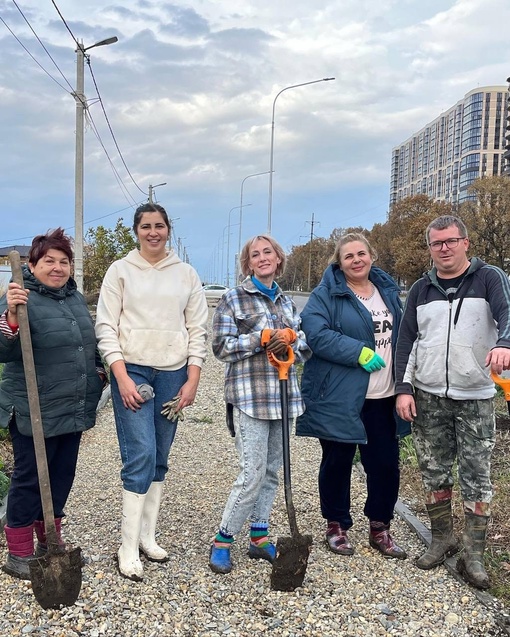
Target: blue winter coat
[334,385]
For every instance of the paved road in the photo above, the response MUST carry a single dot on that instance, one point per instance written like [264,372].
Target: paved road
[300,299]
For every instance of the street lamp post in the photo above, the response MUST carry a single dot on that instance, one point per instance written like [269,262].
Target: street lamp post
[228,241]
[151,190]
[81,105]
[271,152]
[241,209]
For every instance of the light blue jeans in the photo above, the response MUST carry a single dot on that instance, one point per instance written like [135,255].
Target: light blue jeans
[260,448]
[145,436]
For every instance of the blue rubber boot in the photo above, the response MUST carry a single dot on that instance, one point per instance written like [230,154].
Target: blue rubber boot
[219,560]
[267,552]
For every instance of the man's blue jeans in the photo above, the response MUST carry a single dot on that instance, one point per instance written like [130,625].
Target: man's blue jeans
[145,436]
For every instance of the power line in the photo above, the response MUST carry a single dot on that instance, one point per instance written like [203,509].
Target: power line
[80,98]
[94,128]
[33,58]
[110,214]
[84,104]
[111,130]
[121,184]
[41,43]
[63,20]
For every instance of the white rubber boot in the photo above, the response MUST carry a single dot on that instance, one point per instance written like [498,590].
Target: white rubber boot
[148,544]
[129,558]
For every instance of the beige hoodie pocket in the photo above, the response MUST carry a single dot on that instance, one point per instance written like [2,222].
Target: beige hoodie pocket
[156,348]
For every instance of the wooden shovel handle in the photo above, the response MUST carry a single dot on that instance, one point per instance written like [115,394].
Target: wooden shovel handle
[35,408]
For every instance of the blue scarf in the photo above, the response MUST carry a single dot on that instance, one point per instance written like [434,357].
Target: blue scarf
[270,292]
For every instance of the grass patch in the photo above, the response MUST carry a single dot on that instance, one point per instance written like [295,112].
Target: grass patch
[205,420]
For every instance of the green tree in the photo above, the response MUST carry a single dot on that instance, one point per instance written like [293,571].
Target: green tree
[407,222]
[488,220]
[380,240]
[103,247]
[306,263]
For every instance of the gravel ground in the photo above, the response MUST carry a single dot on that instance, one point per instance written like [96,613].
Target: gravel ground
[356,596]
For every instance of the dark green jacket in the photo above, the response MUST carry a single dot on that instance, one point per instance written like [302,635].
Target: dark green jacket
[65,356]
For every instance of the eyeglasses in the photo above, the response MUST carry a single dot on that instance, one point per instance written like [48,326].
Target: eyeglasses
[436,246]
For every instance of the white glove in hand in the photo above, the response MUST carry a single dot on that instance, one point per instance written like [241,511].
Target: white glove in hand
[145,391]
[171,409]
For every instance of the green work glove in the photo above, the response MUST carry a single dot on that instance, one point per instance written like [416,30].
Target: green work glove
[370,361]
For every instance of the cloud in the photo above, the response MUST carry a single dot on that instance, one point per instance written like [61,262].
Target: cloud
[189,91]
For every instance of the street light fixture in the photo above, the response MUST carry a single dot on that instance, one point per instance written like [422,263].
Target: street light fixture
[271,153]
[81,105]
[151,189]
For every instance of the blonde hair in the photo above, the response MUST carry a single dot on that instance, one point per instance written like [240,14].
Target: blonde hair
[349,238]
[244,257]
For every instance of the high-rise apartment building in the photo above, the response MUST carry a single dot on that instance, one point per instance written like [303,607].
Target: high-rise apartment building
[506,156]
[466,142]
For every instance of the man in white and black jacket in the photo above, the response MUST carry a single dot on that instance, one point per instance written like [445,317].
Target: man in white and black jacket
[455,331]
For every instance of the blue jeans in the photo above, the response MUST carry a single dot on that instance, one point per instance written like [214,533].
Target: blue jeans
[260,448]
[145,436]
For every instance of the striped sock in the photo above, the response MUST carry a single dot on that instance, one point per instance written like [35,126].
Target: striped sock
[258,535]
[223,541]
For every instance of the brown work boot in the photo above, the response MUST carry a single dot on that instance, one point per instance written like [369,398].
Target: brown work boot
[381,540]
[337,539]
[444,543]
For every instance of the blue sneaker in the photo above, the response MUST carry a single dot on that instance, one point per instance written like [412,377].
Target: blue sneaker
[267,552]
[219,560]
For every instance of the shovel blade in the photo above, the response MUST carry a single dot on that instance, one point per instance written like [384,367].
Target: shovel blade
[56,578]
[289,566]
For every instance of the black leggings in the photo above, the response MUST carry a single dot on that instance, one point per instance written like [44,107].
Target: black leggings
[380,459]
[24,500]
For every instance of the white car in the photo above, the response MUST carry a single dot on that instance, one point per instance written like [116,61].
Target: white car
[214,292]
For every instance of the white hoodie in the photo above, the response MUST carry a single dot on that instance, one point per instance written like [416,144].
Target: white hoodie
[152,315]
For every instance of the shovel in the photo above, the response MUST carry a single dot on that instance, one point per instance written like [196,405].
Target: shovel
[289,566]
[56,577]
[504,383]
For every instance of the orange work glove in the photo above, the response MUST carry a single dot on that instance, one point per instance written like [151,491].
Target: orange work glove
[277,341]
[288,335]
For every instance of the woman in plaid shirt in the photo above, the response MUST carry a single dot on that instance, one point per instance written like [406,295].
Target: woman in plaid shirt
[252,393]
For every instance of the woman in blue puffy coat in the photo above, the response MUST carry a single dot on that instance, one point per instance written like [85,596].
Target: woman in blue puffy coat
[351,323]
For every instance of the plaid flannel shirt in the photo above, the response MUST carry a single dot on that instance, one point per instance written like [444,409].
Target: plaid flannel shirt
[251,382]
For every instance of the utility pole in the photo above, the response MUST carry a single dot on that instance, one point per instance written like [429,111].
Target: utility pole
[151,190]
[312,223]
[81,106]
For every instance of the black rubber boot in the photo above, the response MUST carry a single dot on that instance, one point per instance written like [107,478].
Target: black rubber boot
[443,542]
[470,563]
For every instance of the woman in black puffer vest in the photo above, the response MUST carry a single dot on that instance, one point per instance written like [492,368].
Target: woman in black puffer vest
[70,378]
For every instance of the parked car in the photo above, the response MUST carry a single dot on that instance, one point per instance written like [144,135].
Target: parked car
[214,292]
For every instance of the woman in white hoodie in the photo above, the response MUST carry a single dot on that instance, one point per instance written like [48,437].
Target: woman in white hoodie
[151,328]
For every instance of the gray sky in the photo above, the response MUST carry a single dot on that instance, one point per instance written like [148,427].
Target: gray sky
[189,90]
